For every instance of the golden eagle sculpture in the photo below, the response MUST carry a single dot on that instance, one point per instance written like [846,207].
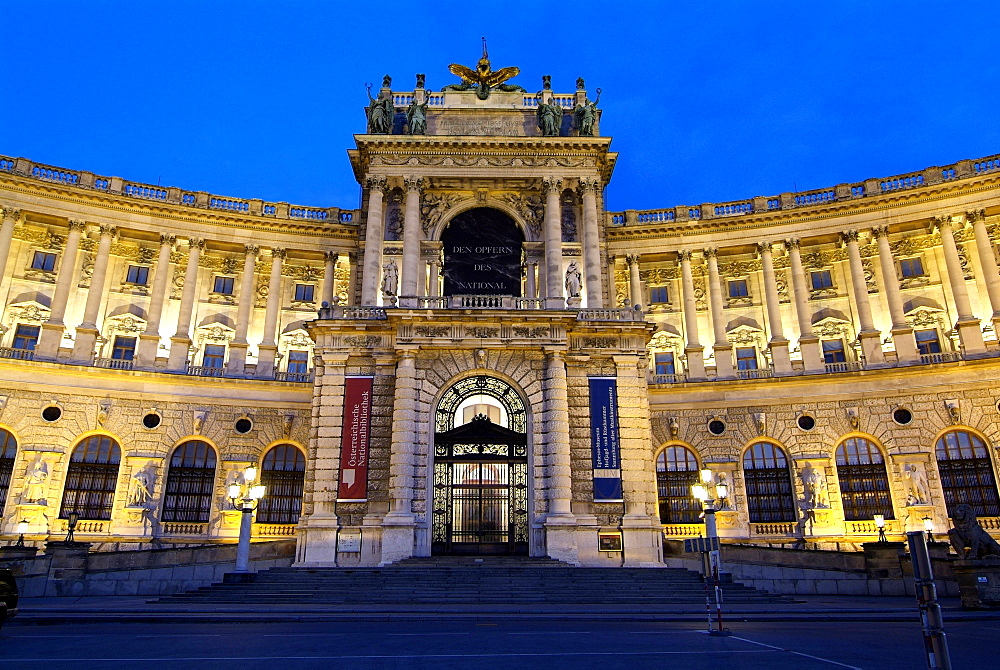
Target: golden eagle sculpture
[483,79]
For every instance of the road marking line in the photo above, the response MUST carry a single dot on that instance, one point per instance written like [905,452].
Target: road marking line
[797,653]
[147,659]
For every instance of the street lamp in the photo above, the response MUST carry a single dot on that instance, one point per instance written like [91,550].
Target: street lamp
[71,520]
[244,496]
[880,524]
[707,492]
[929,528]
[22,528]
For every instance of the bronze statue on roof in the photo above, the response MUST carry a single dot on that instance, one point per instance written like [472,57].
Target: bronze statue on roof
[483,79]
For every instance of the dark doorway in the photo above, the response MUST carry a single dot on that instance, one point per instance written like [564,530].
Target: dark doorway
[482,254]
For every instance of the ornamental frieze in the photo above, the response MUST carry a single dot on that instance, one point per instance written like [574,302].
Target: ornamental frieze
[432,331]
[363,341]
[482,331]
[596,342]
[531,332]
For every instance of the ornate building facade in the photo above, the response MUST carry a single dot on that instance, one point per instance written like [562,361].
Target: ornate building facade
[482,359]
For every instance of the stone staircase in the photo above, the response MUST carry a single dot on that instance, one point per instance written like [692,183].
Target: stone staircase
[471,581]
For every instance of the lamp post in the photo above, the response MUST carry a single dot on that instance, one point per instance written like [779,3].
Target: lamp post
[22,528]
[71,520]
[880,524]
[707,492]
[244,496]
[929,528]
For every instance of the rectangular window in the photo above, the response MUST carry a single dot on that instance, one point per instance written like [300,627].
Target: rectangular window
[304,292]
[738,288]
[298,362]
[223,285]
[25,337]
[911,267]
[833,351]
[664,362]
[123,348]
[658,294]
[821,279]
[137,274]
[746,358]
[927,341]
[215,356]
[44,261]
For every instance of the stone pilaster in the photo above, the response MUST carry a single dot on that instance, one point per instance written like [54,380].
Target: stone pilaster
[560,524]
[399,524]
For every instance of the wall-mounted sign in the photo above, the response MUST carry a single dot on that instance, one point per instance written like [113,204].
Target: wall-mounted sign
[609,541]
[354,440]
[604,439]
[482,254]
[349,541]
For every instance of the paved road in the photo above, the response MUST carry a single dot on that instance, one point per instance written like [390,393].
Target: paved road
[443,645]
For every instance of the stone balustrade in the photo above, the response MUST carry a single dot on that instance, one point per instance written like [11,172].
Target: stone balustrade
[175,196]
[963,169]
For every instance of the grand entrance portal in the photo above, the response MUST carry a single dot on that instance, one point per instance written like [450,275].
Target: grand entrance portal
[480,490]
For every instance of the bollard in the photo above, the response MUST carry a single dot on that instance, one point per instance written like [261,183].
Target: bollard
[935,643]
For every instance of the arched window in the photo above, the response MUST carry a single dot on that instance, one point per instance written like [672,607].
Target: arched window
[91,479]
[864,485]
[283,472]
[676,473]
[190,482]
[768,484]
[8,448]
[966,473]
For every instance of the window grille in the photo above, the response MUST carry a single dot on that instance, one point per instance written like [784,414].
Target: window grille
[91,479]
[8,450]
[966,473]
[190,482]
[768,484]
[676,473]
[864,484]
[283,472]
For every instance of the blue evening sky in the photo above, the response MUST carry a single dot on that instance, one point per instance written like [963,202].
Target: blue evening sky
[706,101]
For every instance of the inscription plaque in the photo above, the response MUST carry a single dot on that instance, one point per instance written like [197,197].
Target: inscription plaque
[482,254]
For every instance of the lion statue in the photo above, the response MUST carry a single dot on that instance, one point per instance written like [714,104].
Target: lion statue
[968,537]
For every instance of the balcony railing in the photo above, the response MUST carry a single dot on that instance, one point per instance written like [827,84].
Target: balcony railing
[849,366]
[205,371]
[942,357]
[297,377]
[677,378]
[112,363]
[754,374]
[17,354]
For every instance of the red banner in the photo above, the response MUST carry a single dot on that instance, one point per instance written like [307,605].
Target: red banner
[354,440]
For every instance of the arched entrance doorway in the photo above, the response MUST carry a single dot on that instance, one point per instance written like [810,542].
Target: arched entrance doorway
[480,484]
[482,254]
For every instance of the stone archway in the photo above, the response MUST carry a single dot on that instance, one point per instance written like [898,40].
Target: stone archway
[482,253]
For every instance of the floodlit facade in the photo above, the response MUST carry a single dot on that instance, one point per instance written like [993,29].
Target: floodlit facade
[482,359]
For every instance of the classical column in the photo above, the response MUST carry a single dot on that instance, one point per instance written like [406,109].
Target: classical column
[693,351]
[181,340]
[398,524]
[329,277]
[553,245]
[374,234]
[968,327]
[778,343]
[434,276]
[591,243]
[10,218]
[634,283]
[530,290]
[870,337]
[411,242]
[87,332]
[809,347]
[52,330]
[353,271]
[149,339]
[268,347]
[722,348]
[560,523]
[238,347]
[987,264]
[902,333]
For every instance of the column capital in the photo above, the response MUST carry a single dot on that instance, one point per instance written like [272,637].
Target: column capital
[711,252]
[10,212]
[413,183]
[196,243]
[278,252]
[763,246]
[880,231]
[108,229]
[975,215]
[632,259]
[792,243]
[79,226]
[550,184]
[943,221]
[251,250]
[587,184]
[376,182]
[167,240]
[331,256]
[684,255]
[848,236]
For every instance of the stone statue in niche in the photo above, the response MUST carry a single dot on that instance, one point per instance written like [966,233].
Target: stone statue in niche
[817,495]
[568,224]
[548,116]
[416,118]
[390,278]
[968,538]
[138,493]
[573,281]
[585,116]
[36,480]
[394,225]
[917,490]
[381,113]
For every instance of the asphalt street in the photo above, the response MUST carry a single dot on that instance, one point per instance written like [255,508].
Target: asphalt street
[443,644]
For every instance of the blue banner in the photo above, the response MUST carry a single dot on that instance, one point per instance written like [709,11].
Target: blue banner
[604,439]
